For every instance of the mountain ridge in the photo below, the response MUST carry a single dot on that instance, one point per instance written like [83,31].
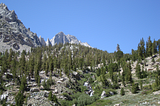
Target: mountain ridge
[14,35]
[62,38]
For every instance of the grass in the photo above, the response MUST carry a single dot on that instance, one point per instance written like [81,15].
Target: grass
[158,60]
[101,103]
[129,100]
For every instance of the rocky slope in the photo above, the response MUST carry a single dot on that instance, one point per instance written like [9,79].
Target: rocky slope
[13,34]
[48,42]
[62,38]
[42,41]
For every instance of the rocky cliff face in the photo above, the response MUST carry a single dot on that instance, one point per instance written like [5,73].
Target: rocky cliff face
[42,41]
[62,38]
[13,34]
[48,42]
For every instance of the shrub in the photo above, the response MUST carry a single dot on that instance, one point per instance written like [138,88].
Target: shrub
[52,97]
[19,99]
[135,88]
[122,92]
[67,96]
[46,84]
[85,99]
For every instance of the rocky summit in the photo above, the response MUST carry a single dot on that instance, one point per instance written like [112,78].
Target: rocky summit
[62,38]
[13,34]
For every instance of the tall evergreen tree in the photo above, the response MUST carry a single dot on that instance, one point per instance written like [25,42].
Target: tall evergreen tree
[141,49]
[154,47]
[22,63]
[149,46]
[138,71]
[31,67]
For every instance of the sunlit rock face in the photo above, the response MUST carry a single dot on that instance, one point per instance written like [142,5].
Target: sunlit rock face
[13,34]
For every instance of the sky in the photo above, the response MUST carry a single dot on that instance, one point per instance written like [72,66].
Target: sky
[101,23]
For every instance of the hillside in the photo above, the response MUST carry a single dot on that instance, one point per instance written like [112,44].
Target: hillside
[74,74]
[66,72]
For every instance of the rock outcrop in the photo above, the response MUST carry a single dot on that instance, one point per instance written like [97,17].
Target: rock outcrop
[42,41]
[48,42]
[62,38]
[13,34]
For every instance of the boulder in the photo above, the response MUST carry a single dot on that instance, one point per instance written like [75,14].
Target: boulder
[117,105]
[103,94]
[9,75]
[34,90]
[76,75]
[42,72]
[86,84]
[56,91]
[4,95]
[62,79]
[111,93]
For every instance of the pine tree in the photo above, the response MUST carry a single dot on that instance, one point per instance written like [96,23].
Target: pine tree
[147,49]
[44,62]
[47,67]
[118,48]
[122,92]
[19,99]
[14,67]
[141,85]
[51,66]
[31,67]
[134,88]
[22,63]
[141,49]
[4,66]
[138,71]
[149,46]
[154,47]
[23,85]
[36,73]
[158,71]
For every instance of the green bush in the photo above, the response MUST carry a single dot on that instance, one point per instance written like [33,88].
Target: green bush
[85,99]
[67,96]
[19,99]
[135,88]
[122,92]
[46,84]
[101,102]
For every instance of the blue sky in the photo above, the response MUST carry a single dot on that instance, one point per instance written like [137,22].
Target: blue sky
[101,23]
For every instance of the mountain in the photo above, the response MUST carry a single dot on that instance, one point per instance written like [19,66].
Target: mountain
[42,41]
[62,38]
[13,34]
[48,42]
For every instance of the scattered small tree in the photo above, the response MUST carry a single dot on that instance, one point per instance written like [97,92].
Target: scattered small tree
[122,92]
[19,99]
[52,97]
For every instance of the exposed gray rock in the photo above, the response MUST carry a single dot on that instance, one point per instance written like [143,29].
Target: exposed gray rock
[4,95]
[14,33]
[48,42]
[34,90]
[103,95]
[62,38]
[42,41]
[117,105]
